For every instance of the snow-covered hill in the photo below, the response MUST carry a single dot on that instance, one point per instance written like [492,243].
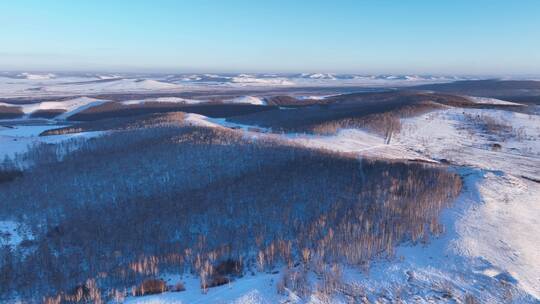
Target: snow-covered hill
[489,250]
[47,84]
[69,106]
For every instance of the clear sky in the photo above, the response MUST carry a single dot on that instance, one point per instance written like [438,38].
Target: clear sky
[379,36]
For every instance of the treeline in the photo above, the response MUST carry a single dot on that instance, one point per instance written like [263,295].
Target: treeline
[118,110]
[350,110]
[385,124]
[10,112]
[120,210]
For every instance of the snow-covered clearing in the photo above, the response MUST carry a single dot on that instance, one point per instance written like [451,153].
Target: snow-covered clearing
[360,142]
[257,289]
[18,139]
[446,134]
[35,76]
[314,97]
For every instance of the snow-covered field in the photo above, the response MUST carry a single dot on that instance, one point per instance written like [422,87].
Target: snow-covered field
[257,289]
[79,85]
[17,139]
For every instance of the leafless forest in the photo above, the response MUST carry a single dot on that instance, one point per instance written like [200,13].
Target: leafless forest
[111,214]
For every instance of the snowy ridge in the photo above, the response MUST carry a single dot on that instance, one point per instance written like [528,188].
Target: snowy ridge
[492,101]
[164,100]
[71,106]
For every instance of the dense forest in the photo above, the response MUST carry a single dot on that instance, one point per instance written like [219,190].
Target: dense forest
[113,213]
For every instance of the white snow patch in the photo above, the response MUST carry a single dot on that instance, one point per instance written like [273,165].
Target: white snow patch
[319,76]
[314,97]
[259,289]
[492,101]
[247,99]
[31,76]
[200,120]
[164,100]
[359,142]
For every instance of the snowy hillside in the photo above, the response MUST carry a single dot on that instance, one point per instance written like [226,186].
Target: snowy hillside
[69,107]
[489,248]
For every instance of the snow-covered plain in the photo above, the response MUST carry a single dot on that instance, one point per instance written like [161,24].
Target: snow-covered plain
[258,289]
[48,84]
[79,85]
[117,85]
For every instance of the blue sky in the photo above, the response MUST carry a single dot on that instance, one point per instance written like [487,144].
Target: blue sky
[488,37]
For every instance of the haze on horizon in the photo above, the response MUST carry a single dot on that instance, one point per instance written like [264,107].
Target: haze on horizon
[462,37]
